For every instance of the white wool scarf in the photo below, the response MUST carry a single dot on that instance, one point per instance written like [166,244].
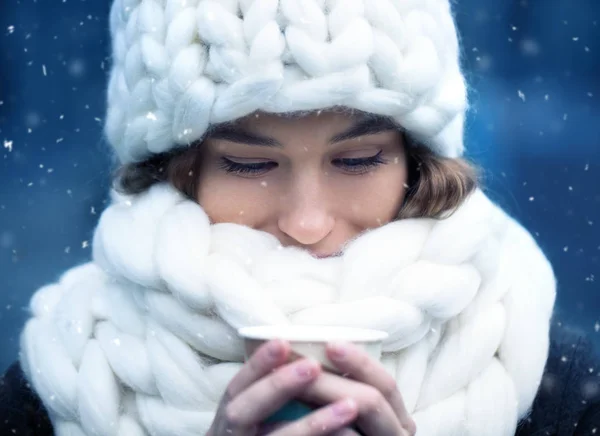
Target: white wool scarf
[142,341]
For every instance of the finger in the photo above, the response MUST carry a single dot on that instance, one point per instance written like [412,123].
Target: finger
[323,421]
[267,429]
[266,358]
[357,364]
[270,393]
[345,432]
[376,416]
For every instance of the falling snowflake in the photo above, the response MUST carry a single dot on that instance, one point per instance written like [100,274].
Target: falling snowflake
[76,68]
[8,145]
[530,47]
[521,95]
[597,327]
[11,29]
[590,389]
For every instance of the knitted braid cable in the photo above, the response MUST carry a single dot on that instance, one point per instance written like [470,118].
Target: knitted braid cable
[143,341]
[180,66]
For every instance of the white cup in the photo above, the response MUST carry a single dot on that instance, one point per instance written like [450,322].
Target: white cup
[310,341]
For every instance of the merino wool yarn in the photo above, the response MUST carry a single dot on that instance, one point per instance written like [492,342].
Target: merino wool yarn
[182,66]
[142,340]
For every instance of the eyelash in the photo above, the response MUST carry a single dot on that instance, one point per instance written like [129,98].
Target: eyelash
[352,165]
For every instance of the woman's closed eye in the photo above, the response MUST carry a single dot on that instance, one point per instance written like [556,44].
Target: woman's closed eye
[246,168]
[355,165]
[360,165]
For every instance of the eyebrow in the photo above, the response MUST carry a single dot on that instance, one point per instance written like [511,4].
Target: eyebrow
[363,127]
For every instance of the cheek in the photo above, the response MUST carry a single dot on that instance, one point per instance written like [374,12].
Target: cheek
[227,199]
[375,198]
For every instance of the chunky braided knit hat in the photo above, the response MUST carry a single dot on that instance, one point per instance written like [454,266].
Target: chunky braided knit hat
[181,66]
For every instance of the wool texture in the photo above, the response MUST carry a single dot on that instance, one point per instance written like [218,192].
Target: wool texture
[182,66]
[142,340]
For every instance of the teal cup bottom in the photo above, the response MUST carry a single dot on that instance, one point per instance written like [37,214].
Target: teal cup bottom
[292,411]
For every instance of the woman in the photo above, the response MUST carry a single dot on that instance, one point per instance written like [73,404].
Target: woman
[289,161]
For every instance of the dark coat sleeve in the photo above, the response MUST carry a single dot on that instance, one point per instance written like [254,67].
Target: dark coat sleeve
[21,411]
[568,400]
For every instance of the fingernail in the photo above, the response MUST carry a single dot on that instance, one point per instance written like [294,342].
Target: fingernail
[345,408]
[338,350]
[306,369]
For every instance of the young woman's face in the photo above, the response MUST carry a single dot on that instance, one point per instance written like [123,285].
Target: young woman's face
[314,181]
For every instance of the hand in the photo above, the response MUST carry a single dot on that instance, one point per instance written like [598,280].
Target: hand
[264,384]
[381,410]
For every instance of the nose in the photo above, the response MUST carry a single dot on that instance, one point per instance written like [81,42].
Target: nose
[306,213]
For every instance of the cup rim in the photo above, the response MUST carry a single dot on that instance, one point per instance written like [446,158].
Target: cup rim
[312,333]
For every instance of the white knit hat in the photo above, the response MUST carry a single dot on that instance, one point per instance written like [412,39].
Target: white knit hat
[180,66]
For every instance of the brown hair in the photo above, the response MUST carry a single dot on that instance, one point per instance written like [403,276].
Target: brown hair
[437,186]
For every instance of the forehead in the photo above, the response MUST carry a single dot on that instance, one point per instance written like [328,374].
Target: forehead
[323,120]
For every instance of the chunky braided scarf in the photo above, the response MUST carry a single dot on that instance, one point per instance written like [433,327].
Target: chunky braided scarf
[143,339]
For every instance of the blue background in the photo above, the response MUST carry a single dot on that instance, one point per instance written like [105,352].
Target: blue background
[533,66]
